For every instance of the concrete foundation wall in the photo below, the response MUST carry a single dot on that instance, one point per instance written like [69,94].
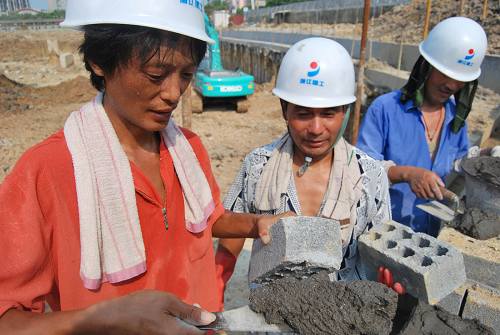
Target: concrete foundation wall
[262,61]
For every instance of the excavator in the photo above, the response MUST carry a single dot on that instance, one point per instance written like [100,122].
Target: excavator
[214,84]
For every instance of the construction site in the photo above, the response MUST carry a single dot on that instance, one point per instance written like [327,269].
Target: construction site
[43,79]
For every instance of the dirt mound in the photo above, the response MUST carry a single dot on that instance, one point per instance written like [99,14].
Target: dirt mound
[78,90]
[30,46]
[17,98]
[402,23]
[6,83]
[10,92]
[406,22]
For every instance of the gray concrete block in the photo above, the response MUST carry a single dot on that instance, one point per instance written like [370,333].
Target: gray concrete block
[300,246]
[482,303]
[428,269]
[66,60]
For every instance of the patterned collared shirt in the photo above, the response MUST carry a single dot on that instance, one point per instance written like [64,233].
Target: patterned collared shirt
[373,207]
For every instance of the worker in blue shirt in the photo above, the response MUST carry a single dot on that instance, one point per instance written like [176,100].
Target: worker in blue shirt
[420,130]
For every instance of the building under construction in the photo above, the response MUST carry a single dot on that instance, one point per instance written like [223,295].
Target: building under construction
[7,6]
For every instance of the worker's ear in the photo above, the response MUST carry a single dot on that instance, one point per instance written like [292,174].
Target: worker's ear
[97,69]
[284,106]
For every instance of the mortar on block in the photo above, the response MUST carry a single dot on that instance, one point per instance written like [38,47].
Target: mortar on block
[481,219]
[300,246]
[482,183]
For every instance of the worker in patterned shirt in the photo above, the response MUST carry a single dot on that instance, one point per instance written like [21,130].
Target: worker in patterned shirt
[311,170]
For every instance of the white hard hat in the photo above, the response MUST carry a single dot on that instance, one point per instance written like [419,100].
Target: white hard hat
[456,47]
[316,72]
[179,16]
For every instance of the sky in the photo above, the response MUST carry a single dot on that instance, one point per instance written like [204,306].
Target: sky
[38,4]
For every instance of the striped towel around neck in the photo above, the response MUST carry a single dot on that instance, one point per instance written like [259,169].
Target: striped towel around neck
[112,248]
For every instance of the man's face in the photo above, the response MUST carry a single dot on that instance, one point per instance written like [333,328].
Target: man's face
[314,130]
[143,96]
[439,87]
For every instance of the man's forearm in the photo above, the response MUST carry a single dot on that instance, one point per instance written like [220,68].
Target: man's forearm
[399,173]
[236,225]
[17,322]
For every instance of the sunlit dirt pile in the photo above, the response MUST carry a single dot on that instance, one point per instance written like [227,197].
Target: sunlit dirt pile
[402,23]
[30,114]
[407,21]
[17,98]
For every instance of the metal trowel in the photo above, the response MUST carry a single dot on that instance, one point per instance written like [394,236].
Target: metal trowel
[243,319]
[440,210]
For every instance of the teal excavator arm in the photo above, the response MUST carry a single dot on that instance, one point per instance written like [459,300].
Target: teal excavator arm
[214,49]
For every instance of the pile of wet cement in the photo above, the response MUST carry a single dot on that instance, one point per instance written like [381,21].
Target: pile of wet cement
[485,168]
[318,306]
[415,317]
[478,223]
[475,222]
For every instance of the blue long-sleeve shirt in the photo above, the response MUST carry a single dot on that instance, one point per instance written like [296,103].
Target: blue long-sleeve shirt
[395,131]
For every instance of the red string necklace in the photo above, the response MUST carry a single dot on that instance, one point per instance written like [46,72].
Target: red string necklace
[429,135]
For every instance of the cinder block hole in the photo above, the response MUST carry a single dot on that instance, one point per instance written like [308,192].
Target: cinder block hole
[426,261]
[375,236]
[441,251]
[407,252]
[424,243]
[391,244]
[406,235]
[388,228]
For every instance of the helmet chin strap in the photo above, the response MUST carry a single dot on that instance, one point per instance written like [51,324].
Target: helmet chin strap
[308,159]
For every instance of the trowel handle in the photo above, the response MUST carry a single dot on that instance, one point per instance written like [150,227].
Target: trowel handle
[447,194]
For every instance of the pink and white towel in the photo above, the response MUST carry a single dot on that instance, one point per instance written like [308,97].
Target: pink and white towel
[112,248]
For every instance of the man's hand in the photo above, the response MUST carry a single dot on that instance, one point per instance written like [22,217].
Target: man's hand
[145,312]
[265,222]
[424,183]
[385,277]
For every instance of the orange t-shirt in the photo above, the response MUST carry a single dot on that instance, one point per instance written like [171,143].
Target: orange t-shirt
[40,235]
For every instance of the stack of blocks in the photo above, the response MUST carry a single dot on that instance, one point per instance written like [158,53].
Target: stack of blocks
[300,247]
[428,269]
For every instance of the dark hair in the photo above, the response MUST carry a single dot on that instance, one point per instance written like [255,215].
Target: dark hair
[110,46]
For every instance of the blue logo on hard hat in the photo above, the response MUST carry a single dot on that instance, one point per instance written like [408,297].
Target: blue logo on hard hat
[313,72]
[195,3]
[467,59]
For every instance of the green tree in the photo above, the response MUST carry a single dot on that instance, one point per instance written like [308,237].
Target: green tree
[216,5]
[272,3]
[57,14]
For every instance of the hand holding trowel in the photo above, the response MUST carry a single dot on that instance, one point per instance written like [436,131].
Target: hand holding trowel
[442,211]
[243,319]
